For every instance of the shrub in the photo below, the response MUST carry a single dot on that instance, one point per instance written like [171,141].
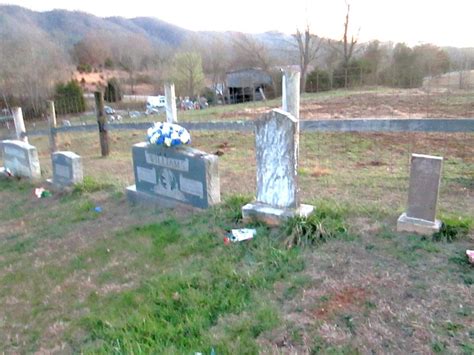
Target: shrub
[318,80]
[84,68]
[321,225]
[113,92]
[69,98]
[209,95]
[453,229]
[108,64]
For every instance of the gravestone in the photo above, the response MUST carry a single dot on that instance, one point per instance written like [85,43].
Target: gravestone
[21,159]
[176,175]
[425,177]
[67,169]
[276,138]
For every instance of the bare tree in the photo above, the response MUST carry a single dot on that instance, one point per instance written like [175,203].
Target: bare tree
[348,46]
[215,51]
[249,52]
[374,57]
[94,49]
[30,65]
[216,63]
[131,53]
[308,48]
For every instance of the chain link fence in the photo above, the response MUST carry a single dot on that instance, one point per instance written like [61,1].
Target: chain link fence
[320,81]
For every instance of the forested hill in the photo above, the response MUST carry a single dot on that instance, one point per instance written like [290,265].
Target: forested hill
[68,27]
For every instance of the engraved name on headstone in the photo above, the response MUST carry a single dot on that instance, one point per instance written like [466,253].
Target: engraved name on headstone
[180,174]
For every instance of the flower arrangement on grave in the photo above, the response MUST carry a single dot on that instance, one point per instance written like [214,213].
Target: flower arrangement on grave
[168,134]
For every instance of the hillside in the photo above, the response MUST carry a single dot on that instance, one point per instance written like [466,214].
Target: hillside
[68,27]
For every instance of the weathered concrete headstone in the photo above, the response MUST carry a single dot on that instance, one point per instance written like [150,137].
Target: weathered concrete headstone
[67,169]
[167,176]
[21,159]
[276,138]
[425,177]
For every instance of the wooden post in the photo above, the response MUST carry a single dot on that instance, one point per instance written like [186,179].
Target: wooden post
[53,144]
[19,124]
[102,122]
[171,113]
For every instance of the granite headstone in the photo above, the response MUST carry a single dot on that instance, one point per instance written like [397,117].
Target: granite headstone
[67,168]
[176,174]
[425,177]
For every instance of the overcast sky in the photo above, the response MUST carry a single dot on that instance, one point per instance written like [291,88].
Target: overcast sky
[442,22]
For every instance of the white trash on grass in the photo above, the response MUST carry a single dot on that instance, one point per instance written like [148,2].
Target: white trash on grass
[239,235]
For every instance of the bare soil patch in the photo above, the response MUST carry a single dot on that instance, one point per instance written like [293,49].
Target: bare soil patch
[406,103]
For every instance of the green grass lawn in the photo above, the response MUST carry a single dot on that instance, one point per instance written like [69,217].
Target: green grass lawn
[134,280]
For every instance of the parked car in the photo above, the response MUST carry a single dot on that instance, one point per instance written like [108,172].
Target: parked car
[155,105]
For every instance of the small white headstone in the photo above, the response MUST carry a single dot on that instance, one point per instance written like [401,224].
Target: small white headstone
[21,159]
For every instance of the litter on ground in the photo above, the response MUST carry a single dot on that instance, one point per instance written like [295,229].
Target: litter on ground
[239,235]
[41,192]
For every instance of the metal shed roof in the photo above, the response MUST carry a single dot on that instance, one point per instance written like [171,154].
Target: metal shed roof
[248,77]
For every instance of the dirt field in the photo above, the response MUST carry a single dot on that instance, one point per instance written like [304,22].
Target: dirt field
[375,103]
[91,82]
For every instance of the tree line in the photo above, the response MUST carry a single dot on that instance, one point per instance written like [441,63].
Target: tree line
[33,68]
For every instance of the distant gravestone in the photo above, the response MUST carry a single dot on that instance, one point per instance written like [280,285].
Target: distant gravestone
[277,198]
[21,159]
[67,169]
[425,177]
[167,176]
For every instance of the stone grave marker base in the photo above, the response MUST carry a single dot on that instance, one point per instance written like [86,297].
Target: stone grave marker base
[136,197]
[418,226]
[59,188]
[273,216]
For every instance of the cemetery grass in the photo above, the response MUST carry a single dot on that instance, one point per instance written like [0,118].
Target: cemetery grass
[135,280]
[132,279]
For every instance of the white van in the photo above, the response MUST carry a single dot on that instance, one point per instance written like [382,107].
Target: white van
[155,104]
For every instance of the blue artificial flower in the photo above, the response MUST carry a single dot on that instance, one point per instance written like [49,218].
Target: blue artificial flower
[168,134]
